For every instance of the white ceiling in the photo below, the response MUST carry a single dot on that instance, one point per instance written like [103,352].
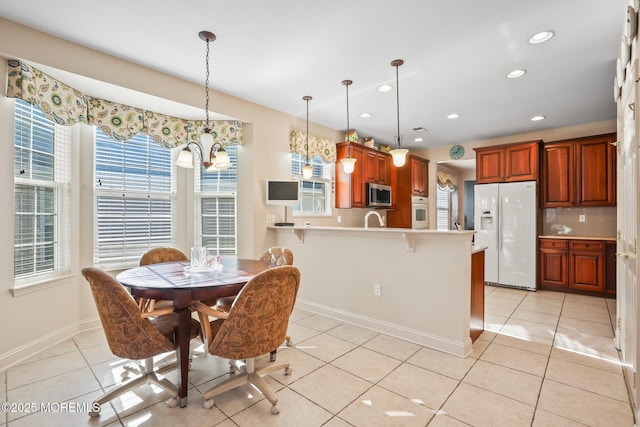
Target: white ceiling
[456,54]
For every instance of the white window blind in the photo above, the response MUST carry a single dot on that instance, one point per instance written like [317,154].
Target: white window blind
[315,192]
[217,207]
[134,198]
[42,194]
[443,203]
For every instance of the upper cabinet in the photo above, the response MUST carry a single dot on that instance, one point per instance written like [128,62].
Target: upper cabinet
[419,176]
[507,163]
[350,188]
[372,166]
[579,172]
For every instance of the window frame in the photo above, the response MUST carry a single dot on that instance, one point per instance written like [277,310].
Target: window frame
[323,174]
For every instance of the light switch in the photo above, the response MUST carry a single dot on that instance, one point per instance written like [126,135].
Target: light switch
[582,218]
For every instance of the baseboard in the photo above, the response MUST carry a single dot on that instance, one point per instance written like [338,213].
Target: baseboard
[17,355]
[460,349]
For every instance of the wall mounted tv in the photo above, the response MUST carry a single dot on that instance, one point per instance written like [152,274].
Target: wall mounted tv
[282,192]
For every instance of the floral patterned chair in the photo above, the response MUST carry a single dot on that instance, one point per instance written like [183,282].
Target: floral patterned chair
[132,335]
[274,256]
[256,324]
[155,256]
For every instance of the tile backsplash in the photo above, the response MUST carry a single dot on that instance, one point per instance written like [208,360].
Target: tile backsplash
[598,222]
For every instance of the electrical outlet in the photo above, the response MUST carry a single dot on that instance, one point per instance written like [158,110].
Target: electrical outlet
[271,219]
[377,289]
[582,218]
[339,219]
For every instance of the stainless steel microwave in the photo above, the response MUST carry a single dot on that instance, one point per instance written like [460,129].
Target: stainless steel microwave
[378,195]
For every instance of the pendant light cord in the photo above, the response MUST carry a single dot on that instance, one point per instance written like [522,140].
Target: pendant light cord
[206,86]
[307,98]
[398,138]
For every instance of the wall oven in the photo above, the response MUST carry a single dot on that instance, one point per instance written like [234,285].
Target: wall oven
[419,212]
[378,195]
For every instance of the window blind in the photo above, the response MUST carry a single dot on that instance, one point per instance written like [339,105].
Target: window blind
[134,198]
[217,207]
[42,193]
[442,208]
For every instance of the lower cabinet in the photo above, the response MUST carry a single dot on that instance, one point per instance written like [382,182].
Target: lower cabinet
[581,266]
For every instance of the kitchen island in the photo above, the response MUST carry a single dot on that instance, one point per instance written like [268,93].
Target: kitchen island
[412,284]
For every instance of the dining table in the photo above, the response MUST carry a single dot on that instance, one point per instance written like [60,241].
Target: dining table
[177,281]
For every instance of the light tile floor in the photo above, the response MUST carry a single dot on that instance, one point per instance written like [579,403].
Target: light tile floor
[545,359]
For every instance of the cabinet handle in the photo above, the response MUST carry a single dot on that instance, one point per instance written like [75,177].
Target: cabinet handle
[624,255]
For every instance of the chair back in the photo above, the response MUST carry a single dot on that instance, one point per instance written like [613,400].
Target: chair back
[128,334]
[277,252]
[259,317]
[156,255]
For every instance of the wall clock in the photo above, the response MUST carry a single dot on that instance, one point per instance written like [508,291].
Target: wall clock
[456,152]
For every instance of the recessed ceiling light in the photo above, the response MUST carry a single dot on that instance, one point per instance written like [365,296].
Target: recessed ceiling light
[537,118]
[453,116]
[541,37]
[418,140]
[365,115]
[516,74]
[384,88]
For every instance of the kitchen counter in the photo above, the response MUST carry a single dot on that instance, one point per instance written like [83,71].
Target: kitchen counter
[570,237]
[411,284]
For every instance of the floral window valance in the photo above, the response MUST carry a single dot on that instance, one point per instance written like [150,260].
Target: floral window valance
[446,180]
[67,106]
[324,148]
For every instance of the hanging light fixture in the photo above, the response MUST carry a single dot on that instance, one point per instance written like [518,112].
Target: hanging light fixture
[348,163]
[398,154]
[213,155]
[307,169]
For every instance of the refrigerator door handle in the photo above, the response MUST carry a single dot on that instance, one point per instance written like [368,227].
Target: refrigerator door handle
[499,233]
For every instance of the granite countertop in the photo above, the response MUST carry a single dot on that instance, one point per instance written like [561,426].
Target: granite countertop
[571,237]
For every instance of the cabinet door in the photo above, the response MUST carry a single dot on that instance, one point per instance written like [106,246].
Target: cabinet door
[350,188]
[418,176]
[554,268]
[586,265]
[358,187]
[521,162]
[383,168]
[370,166]
[489,166]
[558,175]
[596,169]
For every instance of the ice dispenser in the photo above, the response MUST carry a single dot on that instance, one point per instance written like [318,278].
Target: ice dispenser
[487,220]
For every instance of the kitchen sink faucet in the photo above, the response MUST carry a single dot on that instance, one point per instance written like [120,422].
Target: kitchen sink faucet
[366,219]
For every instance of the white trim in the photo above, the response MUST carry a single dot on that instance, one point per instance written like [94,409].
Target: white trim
[17,355]
[427,340]
[44,283]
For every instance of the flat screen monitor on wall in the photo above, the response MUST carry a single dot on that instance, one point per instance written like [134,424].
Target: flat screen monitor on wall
[282,192]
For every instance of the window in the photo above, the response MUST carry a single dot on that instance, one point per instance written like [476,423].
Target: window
[443,204]
[217,207]
[134,198]
[42,194]
[315,192]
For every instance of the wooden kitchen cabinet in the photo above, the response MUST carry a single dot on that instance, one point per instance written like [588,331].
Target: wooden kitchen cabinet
[553,263]
[579,172]
[477,295]
[412,179]
[577,265]
[350,188]
[419,176]
[507,163]
[377,167]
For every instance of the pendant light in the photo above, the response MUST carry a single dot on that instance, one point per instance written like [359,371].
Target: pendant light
[213,155]
[348,163]
[398,154]
[307,169]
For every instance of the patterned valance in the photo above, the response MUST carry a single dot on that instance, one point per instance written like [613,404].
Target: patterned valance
[324,148]
[67,106]
[446,180]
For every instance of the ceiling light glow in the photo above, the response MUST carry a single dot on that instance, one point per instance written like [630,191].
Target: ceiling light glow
[541,37]
[384,88]
[418,140]
[515,74]
[537,118]
[453,116]
[365,115]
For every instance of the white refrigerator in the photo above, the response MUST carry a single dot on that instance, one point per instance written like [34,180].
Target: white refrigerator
[506,224]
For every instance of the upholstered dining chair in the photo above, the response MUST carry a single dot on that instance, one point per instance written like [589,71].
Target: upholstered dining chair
[274,256]
[256,324]
[132,335]
[155,256]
